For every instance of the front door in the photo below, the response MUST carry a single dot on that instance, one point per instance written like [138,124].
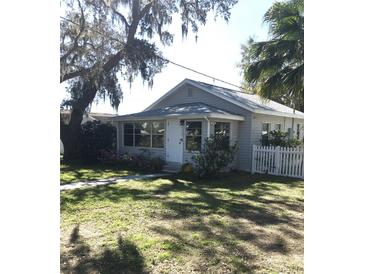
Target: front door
[174,141]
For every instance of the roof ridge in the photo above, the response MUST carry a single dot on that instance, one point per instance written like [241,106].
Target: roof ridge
[228,89]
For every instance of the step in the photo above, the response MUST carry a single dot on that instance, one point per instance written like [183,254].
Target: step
[168,170]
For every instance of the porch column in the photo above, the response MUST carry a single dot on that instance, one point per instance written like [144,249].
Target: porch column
[116,123]
[208,127]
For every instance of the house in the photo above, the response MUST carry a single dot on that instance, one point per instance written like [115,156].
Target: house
[88,117]
[176,125]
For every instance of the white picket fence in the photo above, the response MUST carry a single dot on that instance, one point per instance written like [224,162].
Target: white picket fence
[281,161]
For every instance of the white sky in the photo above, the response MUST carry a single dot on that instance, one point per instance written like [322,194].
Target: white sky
[216,53]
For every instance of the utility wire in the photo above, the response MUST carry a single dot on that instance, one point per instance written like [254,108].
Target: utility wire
[167,60]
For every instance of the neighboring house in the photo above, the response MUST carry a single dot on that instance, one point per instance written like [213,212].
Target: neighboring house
[176,125]
[87,117]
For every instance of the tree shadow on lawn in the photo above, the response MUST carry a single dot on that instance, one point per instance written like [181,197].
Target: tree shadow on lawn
[248,213]
[125,258]
[259,206]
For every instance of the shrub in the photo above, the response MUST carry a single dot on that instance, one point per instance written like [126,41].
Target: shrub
[143,162]
[279,138]
[107,156]
[96,138]
[216,155]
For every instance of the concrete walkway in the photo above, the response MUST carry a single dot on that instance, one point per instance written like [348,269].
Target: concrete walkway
[110,181]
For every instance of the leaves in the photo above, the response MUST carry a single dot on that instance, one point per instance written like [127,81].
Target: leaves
[102,37]
[275,68]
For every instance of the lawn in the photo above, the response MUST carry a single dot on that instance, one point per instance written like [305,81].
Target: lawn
[238,224]
[77,172]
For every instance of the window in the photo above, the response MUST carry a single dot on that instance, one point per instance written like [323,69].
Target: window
[289,131]
[193,136]
[265,128]
[221,128]
[128,134]
[277,127]
[144,134]
[158,133]
[265,133]
[298,131]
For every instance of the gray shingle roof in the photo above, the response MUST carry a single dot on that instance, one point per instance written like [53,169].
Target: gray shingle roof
[253,102]
[177,110]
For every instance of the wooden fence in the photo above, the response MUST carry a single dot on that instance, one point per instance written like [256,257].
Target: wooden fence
[281,161]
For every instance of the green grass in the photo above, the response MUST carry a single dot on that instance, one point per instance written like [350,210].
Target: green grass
[71,173]
[237,224]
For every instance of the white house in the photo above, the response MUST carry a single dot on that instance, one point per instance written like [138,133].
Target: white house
[176,125]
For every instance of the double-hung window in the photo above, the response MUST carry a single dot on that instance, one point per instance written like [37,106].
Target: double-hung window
[277,127]
[223,129]
[142,131]
[265,132]
[128,134]
[298,131]
[193,135]
[158,133]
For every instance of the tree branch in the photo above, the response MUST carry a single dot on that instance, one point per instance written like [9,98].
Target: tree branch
[75,44]
[70,75]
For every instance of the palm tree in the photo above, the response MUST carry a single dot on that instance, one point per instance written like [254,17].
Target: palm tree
[274,69]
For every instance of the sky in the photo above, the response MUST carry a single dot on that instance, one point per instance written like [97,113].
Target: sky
[216,52]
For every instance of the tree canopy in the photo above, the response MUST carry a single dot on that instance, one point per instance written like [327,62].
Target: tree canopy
[274,69]
[103,39]
[100,38]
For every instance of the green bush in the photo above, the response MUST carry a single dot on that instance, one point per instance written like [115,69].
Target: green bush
[215,156]
[96,138]
[143,162]
[280,138]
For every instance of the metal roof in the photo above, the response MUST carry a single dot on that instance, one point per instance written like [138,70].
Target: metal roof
[192,110]
[251,102]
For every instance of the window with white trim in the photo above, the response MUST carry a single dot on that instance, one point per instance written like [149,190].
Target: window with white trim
[265,129]
[277,127]
[128,130]
[265,132]
[144,134]
[298,131]
[223,129]
[158,133]
[193,135]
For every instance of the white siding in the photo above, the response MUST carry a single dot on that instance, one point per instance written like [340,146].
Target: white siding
[241,130]
[246,133]
[285,122]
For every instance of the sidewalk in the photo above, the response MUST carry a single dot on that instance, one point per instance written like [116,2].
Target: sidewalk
[111,181]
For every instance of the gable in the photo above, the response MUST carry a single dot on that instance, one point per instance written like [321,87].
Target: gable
[188,93]
[243,102]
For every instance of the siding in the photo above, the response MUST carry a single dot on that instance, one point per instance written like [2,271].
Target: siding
[240,130]
[246,133]
[285,122]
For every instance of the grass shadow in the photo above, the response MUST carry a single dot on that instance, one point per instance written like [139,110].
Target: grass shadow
[125,258]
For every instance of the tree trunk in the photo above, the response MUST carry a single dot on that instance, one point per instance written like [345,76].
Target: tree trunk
[71,132]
